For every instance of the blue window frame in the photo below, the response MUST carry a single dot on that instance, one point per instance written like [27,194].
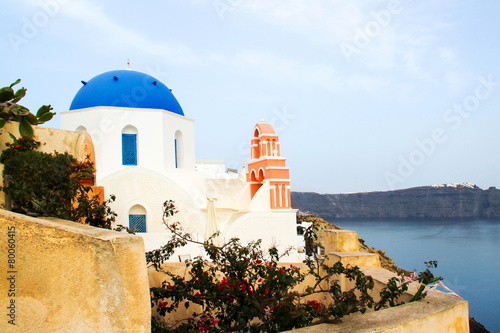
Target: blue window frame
[137,222]
[129,149]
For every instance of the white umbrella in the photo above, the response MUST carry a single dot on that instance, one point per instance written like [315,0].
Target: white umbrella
[212,225]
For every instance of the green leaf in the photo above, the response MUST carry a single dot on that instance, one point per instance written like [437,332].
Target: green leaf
[43,109]
[436,279]
[2,122]
[6,94]
[25,129]
[20,93]
[16,110]
[23,111]
[13,84]
[45,117]
[32,119]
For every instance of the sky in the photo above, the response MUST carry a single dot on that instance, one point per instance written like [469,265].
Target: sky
[365,95]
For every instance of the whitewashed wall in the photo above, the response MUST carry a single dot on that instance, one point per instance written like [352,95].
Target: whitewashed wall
[155,139]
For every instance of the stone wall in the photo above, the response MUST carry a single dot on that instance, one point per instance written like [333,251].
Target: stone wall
[77,144]
[438,313]
[62,276]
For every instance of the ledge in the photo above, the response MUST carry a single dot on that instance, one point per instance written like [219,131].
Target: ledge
[436,313]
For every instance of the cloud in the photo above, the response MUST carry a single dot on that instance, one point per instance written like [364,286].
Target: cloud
[411,33]
[326,21]
[280,69]
[90,14]
[447,54]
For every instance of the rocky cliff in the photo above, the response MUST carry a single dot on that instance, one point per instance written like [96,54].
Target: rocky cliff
[436,201]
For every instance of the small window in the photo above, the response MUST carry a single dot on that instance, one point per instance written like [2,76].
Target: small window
[300,230]
[178,150]
[137,223]
[129,149]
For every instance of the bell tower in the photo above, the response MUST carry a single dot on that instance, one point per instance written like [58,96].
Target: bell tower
[267,165]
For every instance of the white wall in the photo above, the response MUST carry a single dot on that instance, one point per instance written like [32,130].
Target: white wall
[274,228]
[139,186]
[155,138]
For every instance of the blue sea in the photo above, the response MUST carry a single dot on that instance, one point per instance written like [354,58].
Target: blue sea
[467,251]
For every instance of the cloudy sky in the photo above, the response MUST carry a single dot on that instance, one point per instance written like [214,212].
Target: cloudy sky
[365,95]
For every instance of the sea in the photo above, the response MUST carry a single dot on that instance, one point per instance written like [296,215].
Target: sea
[467,252]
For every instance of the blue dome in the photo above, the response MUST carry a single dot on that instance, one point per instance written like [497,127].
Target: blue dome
[126,88]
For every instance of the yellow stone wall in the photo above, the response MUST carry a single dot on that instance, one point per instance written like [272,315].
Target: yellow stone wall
[438,313]
[68,277]
[340,240]
[75,143]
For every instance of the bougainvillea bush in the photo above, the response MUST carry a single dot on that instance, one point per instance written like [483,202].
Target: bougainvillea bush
[244,288]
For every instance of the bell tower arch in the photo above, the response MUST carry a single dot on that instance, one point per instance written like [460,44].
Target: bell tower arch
[267,165]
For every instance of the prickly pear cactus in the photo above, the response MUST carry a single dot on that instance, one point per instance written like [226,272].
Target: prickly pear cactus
[11,111]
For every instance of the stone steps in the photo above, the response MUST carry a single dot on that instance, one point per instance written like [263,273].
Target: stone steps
[343,246]
[360,259]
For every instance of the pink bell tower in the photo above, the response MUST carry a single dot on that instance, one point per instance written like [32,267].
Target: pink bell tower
[267,165]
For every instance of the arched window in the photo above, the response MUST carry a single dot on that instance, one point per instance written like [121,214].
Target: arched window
[81,129]
[179,150]
[129,145]
[137,218]
[261,176]
[256,145]
[274,148]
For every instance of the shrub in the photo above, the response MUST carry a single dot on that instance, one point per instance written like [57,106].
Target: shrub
[42,184]
[243,288]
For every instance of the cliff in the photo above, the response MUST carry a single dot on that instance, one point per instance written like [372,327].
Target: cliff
[436,201]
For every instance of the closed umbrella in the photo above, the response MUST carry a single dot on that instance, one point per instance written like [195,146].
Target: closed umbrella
[212,225]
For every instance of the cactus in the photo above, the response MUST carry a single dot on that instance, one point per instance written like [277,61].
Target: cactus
[11,111]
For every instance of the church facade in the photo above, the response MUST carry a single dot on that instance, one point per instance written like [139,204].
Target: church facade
[145,154]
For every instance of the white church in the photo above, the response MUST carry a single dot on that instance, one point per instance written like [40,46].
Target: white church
[144,152]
